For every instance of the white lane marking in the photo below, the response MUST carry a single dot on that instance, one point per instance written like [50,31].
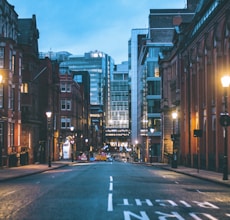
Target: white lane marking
[111,187]
[199,191]
[126,202]
[185,204]
[110,202]
[111,179]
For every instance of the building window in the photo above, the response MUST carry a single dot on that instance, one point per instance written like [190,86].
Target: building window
[20,66]
[65,105]
[13,64]
[11,134]
[65,123]
[12,99]
[78,78]
[1,135]
[2,57]
[68,88]
[157,72]
[155,123]
[24,88]
[65,87]
[154,106]
[154,88]
[1,96]
[62,87]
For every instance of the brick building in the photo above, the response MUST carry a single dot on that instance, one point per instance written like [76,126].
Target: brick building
[48,83]
[10,71]
[28,43]
[82,78]
[193,69]
[71,114]
[157,104]
[39,93]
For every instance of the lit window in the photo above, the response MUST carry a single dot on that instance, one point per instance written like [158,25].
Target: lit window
[2,56]
[24,88]
[1,96]
[157,73]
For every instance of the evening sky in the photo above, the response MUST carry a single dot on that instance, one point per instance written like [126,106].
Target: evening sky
[80,26]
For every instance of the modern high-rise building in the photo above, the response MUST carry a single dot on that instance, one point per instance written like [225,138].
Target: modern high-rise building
[145,48]
[145,97]
[151,124]
[135,84]
[99,66]
[161,37]
[117,122]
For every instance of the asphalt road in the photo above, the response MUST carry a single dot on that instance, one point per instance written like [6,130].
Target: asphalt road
[112,190]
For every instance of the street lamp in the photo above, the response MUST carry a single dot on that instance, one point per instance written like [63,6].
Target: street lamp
[72,142]
[86,143]
[174,156]
[135,147]
[151,148]
[49,115]
[225,122]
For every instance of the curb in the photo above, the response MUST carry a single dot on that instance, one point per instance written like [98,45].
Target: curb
[196,176]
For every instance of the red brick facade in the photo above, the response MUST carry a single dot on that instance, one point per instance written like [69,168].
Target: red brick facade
[192,73]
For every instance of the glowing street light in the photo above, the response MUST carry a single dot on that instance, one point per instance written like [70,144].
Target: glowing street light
[49,115]
[72,142]
[225,122]
[174,155]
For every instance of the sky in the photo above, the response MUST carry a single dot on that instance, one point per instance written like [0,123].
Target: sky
[80,26]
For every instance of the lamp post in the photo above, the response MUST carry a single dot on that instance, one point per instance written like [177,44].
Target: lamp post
[72,142]
[174,155]
[137,149]
[151,149]
[49,115]
[1,142]
[136,143]
[225,122]
[86,144]
[147,147]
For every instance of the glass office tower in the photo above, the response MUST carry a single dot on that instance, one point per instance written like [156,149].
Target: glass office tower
[117,124]
[99,66]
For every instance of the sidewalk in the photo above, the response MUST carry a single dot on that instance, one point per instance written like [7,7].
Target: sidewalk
[201,174]
[16,172]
